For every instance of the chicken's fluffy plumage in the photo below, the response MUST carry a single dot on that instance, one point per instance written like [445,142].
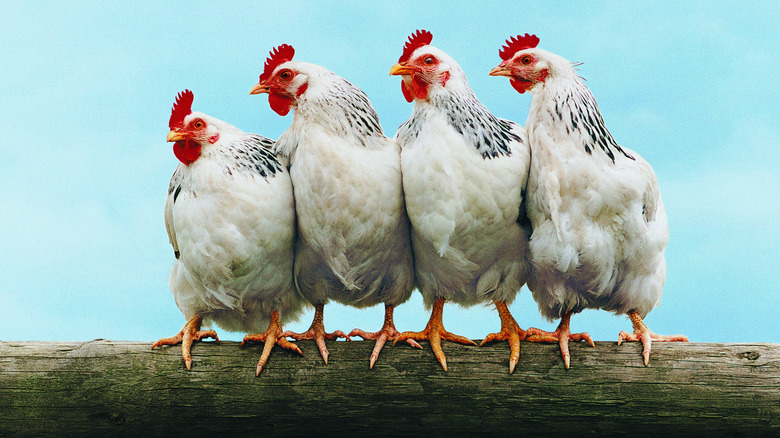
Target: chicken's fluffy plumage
[231,220]
[464,171]
[599,224]
[354,244]
[464,175]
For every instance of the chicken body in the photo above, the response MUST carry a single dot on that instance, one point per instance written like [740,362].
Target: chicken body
[230,217]
[599,225]
[464,208]
[464,174]
[354,244]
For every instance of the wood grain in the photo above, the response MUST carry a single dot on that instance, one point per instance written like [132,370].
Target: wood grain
[106,388]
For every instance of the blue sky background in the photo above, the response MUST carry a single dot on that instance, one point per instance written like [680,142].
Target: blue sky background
[86,91]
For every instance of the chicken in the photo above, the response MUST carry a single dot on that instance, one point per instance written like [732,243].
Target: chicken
[354,245]
[230,217]
[599,226]
[464,174]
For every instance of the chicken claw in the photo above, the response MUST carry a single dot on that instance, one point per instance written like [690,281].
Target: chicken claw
[189,333]
[510,332]
[317,332]
[271,336]
[562,335]
[646,336]
[387,331]
[434,332]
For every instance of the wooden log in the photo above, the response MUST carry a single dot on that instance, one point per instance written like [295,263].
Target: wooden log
[105,388]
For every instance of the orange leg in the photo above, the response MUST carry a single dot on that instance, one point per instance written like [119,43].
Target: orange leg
[317,332]
[189,333]
[562,335]
[434,332]
[645,336]
[271,336]
[387,331]
[510,332]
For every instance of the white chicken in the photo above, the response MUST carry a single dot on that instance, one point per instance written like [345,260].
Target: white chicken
[353,243]
[230,217]
[464,174]
[599,226]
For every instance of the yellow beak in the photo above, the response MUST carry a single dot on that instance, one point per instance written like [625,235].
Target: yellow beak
[501,70]
[260,88]
[401,69]
[175,135]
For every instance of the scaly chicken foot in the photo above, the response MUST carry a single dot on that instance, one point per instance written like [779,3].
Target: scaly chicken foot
[646,336]
[562,335]
[272,336]
[189,333]
[317,332]
[510,332]
[387,331]
[434,332]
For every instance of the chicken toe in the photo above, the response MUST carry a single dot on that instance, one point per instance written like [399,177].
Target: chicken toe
[189,333]
[317,332]
[562,335]
[272,336]
[434,332]
[388,331]
[510,332]
[644,335]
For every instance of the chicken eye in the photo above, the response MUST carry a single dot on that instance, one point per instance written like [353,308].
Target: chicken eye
[428,60]
[199,124]
[285,74]
[525,60]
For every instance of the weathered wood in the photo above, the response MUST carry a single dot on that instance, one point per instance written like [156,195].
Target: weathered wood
[106,388]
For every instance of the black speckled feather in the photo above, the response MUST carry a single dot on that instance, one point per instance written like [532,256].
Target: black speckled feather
[250,155]
[356,114]
[584,116]
[490,135]
[253,154]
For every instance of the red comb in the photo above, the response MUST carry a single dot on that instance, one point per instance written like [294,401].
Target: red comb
[181,109]
[516,44]
[278,55]
[417,39]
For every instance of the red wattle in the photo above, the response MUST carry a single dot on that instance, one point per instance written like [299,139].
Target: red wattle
[419,87]
[445,78]
[279,103]
[302,89]
[407,93]
[520,86]
[187,151]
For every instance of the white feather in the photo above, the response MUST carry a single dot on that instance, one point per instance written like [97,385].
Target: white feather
[233,230]
[599,224]
[463,203]
[354,245]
